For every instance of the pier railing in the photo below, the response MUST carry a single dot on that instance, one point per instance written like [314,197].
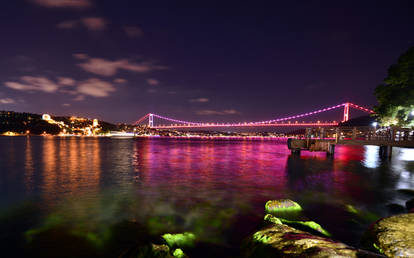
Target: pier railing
[392,135]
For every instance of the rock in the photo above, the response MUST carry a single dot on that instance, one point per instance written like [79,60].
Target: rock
[280,240]
[409,204]
[396,208]
[180,240]
[392,236]
[406,191]
[283,208]
[155,251]
[308,226]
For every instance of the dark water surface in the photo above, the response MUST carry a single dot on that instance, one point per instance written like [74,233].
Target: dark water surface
[101,196]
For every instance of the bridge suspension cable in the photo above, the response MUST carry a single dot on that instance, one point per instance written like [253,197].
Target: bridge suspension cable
[257,123]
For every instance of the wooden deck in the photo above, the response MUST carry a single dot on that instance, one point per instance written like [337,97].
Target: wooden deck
[402,144]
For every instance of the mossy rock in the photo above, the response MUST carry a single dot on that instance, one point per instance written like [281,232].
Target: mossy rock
[284,208]
[280,240]
[307,226]
[180,240]
[392,236]
[178,253]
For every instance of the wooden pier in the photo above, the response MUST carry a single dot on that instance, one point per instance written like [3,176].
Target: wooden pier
[315,140]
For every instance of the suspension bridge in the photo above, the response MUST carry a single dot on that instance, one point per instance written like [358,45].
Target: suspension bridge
[287,121]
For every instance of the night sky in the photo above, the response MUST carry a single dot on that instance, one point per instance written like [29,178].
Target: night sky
[196,60]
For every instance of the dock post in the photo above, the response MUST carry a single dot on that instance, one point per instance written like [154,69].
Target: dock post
[331,149]
[385,151]
[337,133]
[308,135]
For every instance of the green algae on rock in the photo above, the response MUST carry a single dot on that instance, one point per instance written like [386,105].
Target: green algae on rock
[308,226]
[281,240]
[179,253]
[283,208]
[392,236]
[185,239]
[272,219]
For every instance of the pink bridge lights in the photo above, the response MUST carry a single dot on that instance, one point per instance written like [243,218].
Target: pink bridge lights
[284,121]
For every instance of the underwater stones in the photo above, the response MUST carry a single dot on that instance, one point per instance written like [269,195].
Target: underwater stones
[280,240]
[178,253]
[392,236]
[155,251]
[180,240]
[283,208]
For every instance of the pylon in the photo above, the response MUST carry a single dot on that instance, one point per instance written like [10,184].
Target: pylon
[346,112]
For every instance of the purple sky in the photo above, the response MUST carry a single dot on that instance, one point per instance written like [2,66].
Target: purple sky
[196,60]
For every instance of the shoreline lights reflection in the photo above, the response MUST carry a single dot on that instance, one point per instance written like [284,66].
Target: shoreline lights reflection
[111,179]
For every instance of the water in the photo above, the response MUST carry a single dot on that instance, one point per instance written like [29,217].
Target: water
[104,197]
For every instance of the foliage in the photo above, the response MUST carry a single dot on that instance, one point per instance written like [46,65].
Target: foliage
[396,95]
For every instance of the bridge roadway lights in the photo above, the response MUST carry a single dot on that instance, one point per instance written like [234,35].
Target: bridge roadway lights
[274,122]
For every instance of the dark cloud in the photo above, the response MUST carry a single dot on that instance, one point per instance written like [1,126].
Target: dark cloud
[77,4]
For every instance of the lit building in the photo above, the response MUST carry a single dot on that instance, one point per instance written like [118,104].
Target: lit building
[46,117]
[95,123]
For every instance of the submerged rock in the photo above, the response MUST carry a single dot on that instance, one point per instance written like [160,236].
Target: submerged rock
[284,208]
[180,240]
[179,253]
[392,236]
[281,240]
[155,251]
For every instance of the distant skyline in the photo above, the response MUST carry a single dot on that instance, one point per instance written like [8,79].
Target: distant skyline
[196,61]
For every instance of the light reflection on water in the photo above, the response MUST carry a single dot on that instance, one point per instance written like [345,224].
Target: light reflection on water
[200,185]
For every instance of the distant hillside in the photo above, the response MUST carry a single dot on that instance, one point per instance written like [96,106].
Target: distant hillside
[359,121]
[34,124]
[21,122]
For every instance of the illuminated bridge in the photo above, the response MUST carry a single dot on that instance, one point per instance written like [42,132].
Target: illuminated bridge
[171,123]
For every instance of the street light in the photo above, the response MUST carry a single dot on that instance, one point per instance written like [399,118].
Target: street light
[412,113]
[374,124]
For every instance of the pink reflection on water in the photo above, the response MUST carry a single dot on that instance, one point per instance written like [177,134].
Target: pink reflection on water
[209,165]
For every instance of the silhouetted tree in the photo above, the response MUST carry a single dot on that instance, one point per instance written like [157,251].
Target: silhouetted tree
[396,94]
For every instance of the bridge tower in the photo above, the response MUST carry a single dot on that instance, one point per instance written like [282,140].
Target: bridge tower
[346,112]
[150,120]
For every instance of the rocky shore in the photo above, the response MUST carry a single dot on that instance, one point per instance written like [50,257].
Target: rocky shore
[285,231]
[288,233]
